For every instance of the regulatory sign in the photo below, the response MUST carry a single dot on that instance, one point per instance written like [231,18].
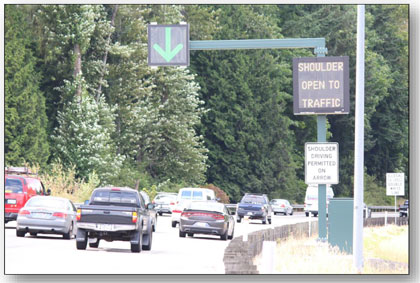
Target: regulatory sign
[321,163]
[395,184]
[168,45]
[321,85]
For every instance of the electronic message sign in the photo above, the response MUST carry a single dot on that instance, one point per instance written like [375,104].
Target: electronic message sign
[321,85]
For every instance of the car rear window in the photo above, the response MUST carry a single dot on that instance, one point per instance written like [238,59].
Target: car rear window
[207,206]
[253,199]
[186,194]
[47,202]
[197,195]
[114,197]
[13,186]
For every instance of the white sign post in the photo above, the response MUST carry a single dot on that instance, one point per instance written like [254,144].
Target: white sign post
[321,163]
[395,187]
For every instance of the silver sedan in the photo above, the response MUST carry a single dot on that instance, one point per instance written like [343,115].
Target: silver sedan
[47,215]
[207,217]
[281,206]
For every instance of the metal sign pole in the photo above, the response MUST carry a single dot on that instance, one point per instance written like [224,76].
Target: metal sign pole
[359,142]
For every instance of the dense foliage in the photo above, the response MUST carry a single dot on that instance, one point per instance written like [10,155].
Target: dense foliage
[79,93]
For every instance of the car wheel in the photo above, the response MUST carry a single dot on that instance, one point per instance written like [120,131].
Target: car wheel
[95,244]
[173,224]
[148,247]
[136,247]
[291,213]
[238,219]
[190,235]
[20,233]
[307,214]
[231,236]
[182,234]
[225,235]
[68,235]
[81,245]
[33,234]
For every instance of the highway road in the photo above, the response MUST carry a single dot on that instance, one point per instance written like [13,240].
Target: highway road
[170,254]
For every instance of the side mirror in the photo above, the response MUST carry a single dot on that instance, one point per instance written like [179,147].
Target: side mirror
[217,199]
[231,212]
[48,192]
[150,206]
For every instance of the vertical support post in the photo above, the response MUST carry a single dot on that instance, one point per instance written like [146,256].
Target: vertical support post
[395,212]
[322,188]
[359,142]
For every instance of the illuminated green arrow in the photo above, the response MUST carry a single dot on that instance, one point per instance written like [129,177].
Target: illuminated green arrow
[168,54]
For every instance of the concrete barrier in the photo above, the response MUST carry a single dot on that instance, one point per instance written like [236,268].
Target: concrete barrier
[239,255]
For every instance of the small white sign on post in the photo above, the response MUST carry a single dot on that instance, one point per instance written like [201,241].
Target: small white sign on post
[395,184]
[394,187]
[321,163]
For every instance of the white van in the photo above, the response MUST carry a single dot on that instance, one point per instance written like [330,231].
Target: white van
[311,199]
[186,196]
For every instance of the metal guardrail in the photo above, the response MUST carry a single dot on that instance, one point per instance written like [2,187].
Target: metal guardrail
[299,207]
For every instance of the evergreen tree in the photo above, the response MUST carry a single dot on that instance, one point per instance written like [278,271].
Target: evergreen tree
[245,129]
[25,117]
[83,138]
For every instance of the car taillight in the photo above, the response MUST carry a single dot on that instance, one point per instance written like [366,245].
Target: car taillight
[176,211]
[134,217]
[78,214]
[304,205]
[186,214]
[59,214]
[218,216]
[24,212]
[172,203]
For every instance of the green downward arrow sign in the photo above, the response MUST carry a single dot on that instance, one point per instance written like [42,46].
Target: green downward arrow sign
[168,54]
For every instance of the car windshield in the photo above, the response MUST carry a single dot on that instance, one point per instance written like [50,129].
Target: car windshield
[207,206]
[47,202]
[13,186]
[115,197]
[253,199]
[165,197]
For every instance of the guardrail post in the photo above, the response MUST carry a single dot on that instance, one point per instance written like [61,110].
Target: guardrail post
[386,217]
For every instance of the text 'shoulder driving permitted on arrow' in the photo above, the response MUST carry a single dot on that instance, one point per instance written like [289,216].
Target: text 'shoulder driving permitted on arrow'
[168,45]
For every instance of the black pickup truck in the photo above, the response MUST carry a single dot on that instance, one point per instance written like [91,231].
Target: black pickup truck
[114,214]
[403,209]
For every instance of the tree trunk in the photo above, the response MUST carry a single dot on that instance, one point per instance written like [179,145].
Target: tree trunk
[99,90]
[77,67]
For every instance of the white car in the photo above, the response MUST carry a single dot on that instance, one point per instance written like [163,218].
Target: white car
[185,197]
[311,199]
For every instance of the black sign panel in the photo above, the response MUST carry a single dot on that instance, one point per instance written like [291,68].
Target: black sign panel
[321,85]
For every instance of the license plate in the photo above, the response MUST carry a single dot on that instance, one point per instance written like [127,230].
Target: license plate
[11,201]
[104,227]
[250,213]
[41,215]
[201,224]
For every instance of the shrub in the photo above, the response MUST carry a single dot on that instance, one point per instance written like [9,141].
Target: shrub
[224,198]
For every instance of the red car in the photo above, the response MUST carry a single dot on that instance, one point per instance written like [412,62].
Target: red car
[20,185]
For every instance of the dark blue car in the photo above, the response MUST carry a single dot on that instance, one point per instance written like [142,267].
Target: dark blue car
[255,206]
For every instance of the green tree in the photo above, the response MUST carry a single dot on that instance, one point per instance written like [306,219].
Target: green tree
[25,117]
[157,109]
[83,138]
[246,130]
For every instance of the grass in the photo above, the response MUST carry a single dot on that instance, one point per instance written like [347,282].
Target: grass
[385,251]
